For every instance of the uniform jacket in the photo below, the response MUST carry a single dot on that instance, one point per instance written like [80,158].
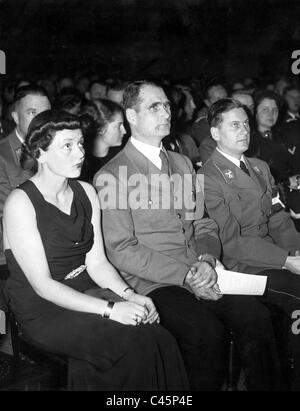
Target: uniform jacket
[253,237]
[152,245]
[11,174]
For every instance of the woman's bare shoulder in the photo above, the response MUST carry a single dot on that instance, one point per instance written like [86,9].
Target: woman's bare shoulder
[17,198]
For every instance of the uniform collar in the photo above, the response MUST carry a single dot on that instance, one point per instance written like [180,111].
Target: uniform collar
[231,158]
[234,176]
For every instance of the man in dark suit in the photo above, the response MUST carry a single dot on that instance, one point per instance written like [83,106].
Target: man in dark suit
[257,235]
[165,247]
[28,102]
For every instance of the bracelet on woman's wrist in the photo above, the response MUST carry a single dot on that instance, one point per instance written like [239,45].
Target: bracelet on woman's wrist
[125,290]
[108,309]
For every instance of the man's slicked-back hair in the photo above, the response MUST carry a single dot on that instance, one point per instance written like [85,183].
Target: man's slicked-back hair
[29,90]
[132,93]
[215,111]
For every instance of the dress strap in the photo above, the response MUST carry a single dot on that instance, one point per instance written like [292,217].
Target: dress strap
[80,195]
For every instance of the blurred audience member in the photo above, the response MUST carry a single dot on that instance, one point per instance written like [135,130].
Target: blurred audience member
[70,100]
[104,124]
[200,129]
[97,90]
[115,93]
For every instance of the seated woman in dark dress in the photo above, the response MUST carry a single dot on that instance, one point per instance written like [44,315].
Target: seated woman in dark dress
[54,251]
[104,132]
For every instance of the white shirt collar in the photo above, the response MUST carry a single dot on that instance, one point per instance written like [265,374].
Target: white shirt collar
[19,136]
[232,159]
[149,151]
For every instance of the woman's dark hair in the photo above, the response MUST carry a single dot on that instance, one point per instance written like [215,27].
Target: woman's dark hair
[96,116]
[41,133]
[105,112]
[260,95]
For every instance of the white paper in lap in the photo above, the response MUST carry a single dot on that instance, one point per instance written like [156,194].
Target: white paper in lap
[231,282]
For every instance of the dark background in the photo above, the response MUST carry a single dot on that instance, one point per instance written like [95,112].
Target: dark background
[139,38]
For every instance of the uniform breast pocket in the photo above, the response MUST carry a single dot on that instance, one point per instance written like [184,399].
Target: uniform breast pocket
[234,202]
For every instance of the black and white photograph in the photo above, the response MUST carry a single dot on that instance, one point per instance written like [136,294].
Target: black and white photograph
[150,198]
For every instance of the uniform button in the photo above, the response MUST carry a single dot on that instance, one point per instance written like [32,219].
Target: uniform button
[183,230]
[178,215]
[258,227]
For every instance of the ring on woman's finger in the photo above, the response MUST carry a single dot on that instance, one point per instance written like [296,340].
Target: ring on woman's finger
[137,319]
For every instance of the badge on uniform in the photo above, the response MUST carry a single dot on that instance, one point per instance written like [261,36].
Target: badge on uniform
[257,170]
[229,174]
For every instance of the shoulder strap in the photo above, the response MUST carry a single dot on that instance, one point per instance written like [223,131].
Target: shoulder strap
[32,192]
[81,195]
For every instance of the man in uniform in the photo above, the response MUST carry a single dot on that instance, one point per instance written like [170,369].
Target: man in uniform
[257,235]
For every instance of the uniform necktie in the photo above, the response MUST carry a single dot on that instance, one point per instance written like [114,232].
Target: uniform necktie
[244,168]
[164,162]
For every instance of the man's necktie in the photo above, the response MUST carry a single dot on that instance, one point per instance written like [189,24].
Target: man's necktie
[164,162]
[244,168]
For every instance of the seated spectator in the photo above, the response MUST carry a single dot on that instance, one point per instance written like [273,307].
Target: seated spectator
[281,84]
[54,250]
[199,129]
[97,90]
[257,235]
[83,85]
[244,98]
[104,130]
[178,140]
[115,93]
[50,87]
[69,100]
[266,143]
[291,96]
[64,82]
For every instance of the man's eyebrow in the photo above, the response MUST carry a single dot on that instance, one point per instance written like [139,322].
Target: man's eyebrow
[159,102]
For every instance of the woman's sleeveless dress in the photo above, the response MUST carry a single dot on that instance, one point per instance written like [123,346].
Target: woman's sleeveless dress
[103,354]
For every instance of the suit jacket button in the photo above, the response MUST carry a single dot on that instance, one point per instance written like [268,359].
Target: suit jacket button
[178,215]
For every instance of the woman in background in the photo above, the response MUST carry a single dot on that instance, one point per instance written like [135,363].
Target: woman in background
[104,123]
